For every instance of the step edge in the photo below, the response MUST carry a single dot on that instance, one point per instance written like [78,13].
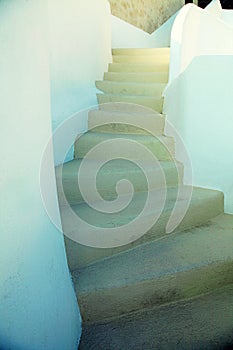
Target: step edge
[166,294]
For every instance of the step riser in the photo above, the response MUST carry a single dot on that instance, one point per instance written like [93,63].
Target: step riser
[142,51]
[159,77]
[159,59]
[104,304]
[138,68]
[154,103]
[131,88]
[198,213]
[102,121]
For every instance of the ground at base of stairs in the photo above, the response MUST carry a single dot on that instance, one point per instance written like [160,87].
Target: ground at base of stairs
[203,323]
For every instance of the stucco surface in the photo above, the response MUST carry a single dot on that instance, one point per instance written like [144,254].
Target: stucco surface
[147,15]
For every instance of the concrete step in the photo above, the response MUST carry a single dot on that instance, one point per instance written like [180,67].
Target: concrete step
[138,67]
[126,107]
[125,88]
[153,102]
[141,51]
[162,58]
[147,77]
[126,123]
[202,323]
[109,175]
[181,266]
[205,204]
[159,147]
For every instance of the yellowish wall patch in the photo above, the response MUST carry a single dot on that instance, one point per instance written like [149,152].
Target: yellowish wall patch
[147,15]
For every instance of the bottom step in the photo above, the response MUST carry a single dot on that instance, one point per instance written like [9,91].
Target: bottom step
[181,266]
[204,323]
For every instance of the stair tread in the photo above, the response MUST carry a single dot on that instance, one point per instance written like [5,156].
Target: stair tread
[140,51]
[110,174]
[129,83]
[112,87]
[146,97]
[138,64]
[113,113]
[183,251]
[153,58]
[129,104]
[163,147]
[113,121]
[136,137]
[142,55]
[137,76]
[120,166]
[203,323]
[149,64]
[205,204]
[153,102]
[138,67]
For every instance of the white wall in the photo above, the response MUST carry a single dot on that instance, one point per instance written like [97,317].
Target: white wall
[38,307]
[80,49]
[199,105]
[198,100]
[198,32]
[126,35]
[82,33]
[227,16]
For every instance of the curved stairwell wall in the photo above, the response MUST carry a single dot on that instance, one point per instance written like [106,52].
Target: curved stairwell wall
[198,100]
[80,53]
[198,32]
[80,49]
[38,307]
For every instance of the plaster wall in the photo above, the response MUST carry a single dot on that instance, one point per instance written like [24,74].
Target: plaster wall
[126,35]
[227,16]
[79,55]
[80,50]
[147,15]
[198,99]
[38,307]
[198,32]
[199,104]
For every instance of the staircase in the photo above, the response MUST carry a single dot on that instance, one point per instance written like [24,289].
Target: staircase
[118,282]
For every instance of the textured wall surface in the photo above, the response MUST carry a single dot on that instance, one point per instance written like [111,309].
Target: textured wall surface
[145,14]
[38,306]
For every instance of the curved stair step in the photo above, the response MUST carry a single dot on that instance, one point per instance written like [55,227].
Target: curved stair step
[181,266]
[153,102]
[146,77]
[138,67]
[205,205]
[141,51]
[158,58]
[108,176]
[126,123]
[124,88]
[156,147]
[200,323]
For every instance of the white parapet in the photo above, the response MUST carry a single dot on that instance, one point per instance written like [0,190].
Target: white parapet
[198,98]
